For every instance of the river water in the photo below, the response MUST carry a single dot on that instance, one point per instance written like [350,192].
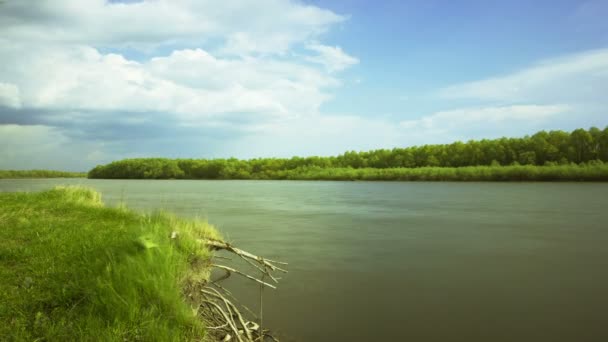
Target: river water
[389,261]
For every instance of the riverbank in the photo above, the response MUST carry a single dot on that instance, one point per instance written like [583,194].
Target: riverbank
[517,173]
[148,169]
[16,174]
[579,155]
[73,269]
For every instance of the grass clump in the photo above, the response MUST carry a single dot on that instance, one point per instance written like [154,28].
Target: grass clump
[73,269]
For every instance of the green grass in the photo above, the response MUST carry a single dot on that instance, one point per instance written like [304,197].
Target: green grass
[72,269]
[156,168]
[40,174]
[570,172]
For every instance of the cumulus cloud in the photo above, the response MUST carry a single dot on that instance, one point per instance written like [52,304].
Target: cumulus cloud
[188,83]
[53,54]
[199,78]
[269,26]
[191,86]
[579,77]
[204,71]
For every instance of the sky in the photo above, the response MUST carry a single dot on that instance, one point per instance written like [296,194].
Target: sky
[86,82]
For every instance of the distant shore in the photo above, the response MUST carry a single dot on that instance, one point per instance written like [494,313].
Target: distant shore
[17,174]
[594,172]
[580,155]
[589,172]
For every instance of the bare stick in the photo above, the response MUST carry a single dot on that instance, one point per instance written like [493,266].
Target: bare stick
[235,309]
[228,320]
[215,244]
[231,313]
[218,327]
[262,311]
[264,271]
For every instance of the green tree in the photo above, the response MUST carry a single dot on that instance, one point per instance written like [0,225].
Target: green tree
[581,142]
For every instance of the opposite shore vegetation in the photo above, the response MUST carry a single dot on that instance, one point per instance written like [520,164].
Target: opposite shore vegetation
[4,174]
[580,155]
[545,156]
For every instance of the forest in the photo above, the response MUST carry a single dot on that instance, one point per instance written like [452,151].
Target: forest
[554,155]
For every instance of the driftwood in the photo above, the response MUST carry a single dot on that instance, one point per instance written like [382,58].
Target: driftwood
[222,313]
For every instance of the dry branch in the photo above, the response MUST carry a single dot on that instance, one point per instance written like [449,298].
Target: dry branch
[229,323]
[229,305]
[227,318]
[215,245]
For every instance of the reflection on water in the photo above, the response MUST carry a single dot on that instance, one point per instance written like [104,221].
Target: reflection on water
[407,261]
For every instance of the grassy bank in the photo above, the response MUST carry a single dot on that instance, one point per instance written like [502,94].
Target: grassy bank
[40,174]
[72,269]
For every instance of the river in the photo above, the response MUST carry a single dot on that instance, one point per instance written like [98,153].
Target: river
[389,261]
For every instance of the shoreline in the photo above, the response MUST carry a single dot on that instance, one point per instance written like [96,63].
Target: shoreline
[556,173]
[90,271]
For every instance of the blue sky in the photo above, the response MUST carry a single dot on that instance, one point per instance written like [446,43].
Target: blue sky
[84,82]
[410,48]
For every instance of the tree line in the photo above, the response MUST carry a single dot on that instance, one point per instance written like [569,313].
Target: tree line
[588,149]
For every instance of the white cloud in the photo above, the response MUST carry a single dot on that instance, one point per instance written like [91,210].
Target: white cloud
[581,77]
[331,57]
[271,26]
[52,59]
[189,85]
[559,93]
[203,68]
[228,76]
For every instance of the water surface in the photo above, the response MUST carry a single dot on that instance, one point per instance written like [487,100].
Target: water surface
[383,261]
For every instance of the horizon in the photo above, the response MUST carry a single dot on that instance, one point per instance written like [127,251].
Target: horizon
[152,157]
[84,83]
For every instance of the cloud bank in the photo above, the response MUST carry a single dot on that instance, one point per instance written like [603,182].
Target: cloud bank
[88,81]
[202,69]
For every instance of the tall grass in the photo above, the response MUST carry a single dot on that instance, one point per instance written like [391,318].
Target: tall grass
[72,269]
[573,172]
[142,168]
